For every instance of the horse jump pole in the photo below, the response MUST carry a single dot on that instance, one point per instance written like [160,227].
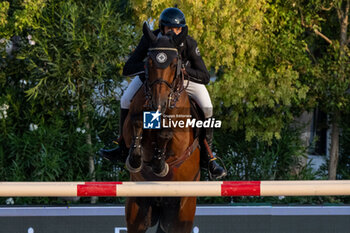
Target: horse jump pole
[175,188]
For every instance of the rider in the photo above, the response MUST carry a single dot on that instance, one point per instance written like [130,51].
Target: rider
[195,71]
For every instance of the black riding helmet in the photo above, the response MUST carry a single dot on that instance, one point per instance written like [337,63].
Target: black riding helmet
[172,17]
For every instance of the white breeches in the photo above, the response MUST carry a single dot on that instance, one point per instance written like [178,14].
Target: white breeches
[129,93]
[195,90]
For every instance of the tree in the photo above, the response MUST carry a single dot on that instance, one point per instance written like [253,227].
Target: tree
[64,77]
[18,15]
[15,16]
[329,48]
[81,47]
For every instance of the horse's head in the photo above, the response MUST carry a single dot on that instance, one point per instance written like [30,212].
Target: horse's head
[163,68]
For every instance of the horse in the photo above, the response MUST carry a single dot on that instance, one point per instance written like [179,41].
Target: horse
[166,154]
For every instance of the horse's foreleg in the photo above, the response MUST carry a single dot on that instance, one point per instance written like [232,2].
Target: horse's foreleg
[134,160]
[138,213]
[179,217]
[159,166]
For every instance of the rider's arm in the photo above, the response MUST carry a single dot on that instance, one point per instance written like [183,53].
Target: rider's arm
[195,67]
[135,65]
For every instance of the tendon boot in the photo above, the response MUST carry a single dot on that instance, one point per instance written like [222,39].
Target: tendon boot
[120,153]
[208,159]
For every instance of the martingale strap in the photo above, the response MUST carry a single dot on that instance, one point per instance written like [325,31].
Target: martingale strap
[185,155]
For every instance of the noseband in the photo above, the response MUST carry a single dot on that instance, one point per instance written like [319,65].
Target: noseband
[176,87]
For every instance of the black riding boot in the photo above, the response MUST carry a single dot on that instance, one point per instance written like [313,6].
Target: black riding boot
[119,153]
[208,159]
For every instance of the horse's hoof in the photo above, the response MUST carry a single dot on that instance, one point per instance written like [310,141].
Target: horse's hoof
[132,169]
[164,172]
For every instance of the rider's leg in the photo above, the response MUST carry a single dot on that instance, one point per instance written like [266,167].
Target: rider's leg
[200,94]
[120,153]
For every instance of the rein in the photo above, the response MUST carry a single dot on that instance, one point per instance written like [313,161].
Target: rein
[176,88]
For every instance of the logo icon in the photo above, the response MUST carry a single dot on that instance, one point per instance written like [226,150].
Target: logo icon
[161,57]
[151,120]
[198,52]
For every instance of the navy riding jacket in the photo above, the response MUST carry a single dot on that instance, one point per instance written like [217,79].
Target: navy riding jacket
[192,60]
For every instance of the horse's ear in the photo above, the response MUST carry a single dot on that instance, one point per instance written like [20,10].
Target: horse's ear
[178,39]
[148,33]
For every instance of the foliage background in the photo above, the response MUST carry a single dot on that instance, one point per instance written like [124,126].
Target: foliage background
[60,84]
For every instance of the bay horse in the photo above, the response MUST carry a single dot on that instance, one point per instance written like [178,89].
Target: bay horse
[166,154]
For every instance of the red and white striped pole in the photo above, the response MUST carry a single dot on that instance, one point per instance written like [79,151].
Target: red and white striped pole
[176,188]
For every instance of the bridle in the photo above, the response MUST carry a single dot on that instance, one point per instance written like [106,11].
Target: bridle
[176,87]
